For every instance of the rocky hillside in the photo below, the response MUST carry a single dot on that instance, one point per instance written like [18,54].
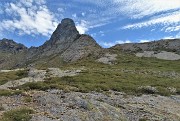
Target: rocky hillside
[168,49]
[65,45]
[11,53]
[11,46]
[171,45]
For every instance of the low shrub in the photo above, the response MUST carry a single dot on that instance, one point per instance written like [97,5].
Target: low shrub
[23,114]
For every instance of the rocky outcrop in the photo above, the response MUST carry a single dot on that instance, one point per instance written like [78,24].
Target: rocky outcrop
[108,59]
[161,55]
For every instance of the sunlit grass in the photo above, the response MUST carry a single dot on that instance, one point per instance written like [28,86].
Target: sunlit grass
[12,75]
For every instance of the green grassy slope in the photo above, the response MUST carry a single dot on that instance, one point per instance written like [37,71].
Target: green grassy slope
[130,74]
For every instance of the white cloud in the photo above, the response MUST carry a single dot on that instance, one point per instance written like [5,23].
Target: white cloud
[122,42]
[60,10]
[27,3]
[143,41]
[74,15]
[110,44]
[177,35]
[82,27]
[155,12]
[101,33]
[168,37]
[1,10]
[166,20]
[40,2]
[141,8]
[32,20]
[173,28]
[83,14]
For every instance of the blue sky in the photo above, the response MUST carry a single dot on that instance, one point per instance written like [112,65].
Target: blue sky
[110,22]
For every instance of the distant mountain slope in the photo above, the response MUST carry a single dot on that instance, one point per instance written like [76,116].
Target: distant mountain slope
[11,46]
[11,53]
[170,45]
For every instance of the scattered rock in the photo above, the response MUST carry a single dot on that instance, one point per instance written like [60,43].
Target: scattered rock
[77,106]
[108,59]
[161,55]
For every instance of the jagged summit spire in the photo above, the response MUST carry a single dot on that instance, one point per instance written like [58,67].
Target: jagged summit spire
[65,31]
[67,22]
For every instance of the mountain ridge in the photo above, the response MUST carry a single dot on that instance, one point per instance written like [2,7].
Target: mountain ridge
[66,44]
[172,45]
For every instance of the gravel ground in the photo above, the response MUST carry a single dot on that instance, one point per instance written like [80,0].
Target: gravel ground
[55,105]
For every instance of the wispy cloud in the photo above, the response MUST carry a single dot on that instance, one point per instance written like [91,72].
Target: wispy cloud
[143,41]
[150,12]
[110,44]
[82,27]
[141,8]
[177,35]
[169,22]
[29,17]
[1,11]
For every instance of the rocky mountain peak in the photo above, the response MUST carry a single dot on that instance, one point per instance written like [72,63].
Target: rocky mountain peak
[67,22]
[65,32]
[66,43]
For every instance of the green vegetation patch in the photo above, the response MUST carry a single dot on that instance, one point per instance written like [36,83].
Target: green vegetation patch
[12,75]
[9,92]
[23,114]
